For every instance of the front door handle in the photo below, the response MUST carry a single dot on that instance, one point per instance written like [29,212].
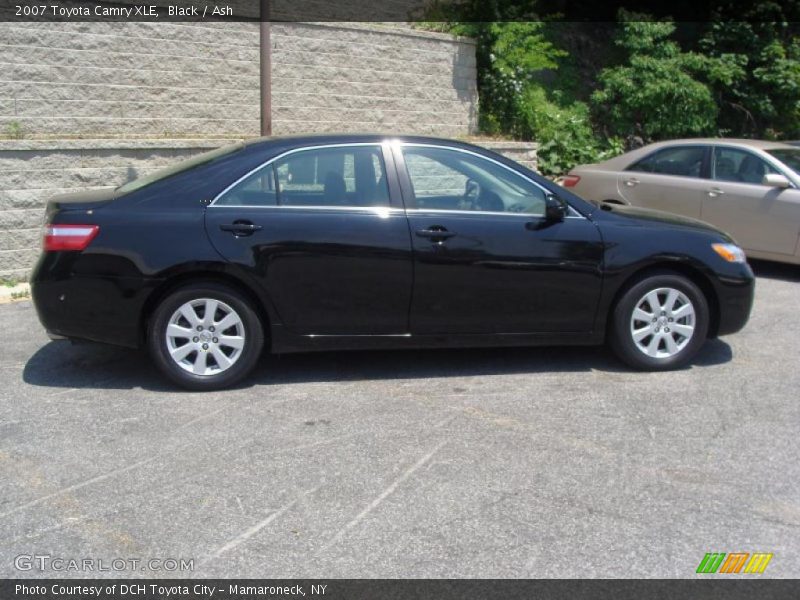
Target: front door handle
[240,228]
[714,192]
[435,233]
[632,182]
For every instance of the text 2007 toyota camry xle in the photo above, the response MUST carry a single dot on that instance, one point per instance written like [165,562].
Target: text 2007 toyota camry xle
[361,241]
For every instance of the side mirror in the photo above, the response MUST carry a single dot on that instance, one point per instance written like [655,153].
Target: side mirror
[554,209]
[776,180]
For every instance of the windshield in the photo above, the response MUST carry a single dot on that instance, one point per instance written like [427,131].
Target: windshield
[180,167]
[788,156]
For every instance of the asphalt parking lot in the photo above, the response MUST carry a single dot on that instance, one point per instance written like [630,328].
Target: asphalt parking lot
[502,463]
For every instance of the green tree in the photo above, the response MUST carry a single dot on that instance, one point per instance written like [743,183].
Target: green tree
[764,101]
[660,91]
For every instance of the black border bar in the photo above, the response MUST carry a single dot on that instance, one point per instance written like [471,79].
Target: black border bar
[394,10]
[403,589]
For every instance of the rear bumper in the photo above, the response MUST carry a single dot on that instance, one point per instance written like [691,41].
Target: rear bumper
[735,294]
[100,309]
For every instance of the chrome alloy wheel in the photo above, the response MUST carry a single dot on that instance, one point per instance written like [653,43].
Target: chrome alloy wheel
[663,322]
[205,336]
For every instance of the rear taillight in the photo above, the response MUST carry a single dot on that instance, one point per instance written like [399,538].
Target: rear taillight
[570,180]
[68,237]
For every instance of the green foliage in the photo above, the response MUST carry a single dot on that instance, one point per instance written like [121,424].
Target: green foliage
[764,100]
[564,132]
[509,55]
[581,89]
[660,91]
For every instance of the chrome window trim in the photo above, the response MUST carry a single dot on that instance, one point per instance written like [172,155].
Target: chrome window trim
[576,214]
[367,209]
[382,145]
[448,211]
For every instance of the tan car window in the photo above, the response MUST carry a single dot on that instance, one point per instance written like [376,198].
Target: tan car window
[732,164]
[684,161]
[789,157]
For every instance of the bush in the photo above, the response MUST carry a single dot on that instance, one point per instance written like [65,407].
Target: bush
[564,133]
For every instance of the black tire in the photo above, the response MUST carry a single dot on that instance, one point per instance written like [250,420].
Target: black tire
[621,337]
[245,358]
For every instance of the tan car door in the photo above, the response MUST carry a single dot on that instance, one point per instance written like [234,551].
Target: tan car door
[759,217]
[670,179]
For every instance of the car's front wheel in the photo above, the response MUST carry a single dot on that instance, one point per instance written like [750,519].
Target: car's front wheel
[659,322]
[205,336]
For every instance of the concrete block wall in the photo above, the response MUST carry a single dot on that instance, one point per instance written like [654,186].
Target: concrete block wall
[129,79]
[32,171]
[525,153]
[357,78]
[133,79]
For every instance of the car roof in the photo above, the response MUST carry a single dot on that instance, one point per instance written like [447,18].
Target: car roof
[348,138]
[623,160]
[762,144]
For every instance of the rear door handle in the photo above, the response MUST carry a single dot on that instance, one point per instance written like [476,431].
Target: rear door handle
[435,233]
[714,192]
[240,228]
[632,182]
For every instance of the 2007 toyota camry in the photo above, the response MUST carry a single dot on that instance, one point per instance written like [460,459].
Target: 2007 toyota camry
[364,241]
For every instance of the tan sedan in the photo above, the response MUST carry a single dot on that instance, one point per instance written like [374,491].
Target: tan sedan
[748,188]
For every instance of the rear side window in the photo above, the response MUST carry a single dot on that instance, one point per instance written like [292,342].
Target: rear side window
[257,189]
[346,176]
[186,165]
[683,161]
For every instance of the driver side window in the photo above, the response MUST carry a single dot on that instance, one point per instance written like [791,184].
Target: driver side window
[446,179]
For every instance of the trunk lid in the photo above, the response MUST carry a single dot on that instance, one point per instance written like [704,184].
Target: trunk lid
[79,201]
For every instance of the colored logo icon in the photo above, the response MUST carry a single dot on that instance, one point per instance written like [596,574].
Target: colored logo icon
[736,562]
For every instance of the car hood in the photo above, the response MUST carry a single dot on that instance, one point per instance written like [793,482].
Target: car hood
[645,217]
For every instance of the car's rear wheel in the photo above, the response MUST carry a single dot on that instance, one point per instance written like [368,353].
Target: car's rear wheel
[659,322]
[205,336]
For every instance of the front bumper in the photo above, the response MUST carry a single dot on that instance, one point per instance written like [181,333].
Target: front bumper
[735,294]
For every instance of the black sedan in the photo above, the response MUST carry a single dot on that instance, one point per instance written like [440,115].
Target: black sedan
[364,241]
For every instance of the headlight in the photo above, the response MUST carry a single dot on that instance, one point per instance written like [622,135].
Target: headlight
[730,252]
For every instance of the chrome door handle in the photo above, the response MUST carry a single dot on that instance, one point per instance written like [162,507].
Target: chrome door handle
[714,192]
[436,234]
[240,228]
[632,182]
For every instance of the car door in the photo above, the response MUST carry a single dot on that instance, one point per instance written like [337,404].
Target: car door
[759,217]
[671,179]
[485,259]
[323,231]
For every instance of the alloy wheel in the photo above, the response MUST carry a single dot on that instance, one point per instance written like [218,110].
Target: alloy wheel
[663,322]
[205,336]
